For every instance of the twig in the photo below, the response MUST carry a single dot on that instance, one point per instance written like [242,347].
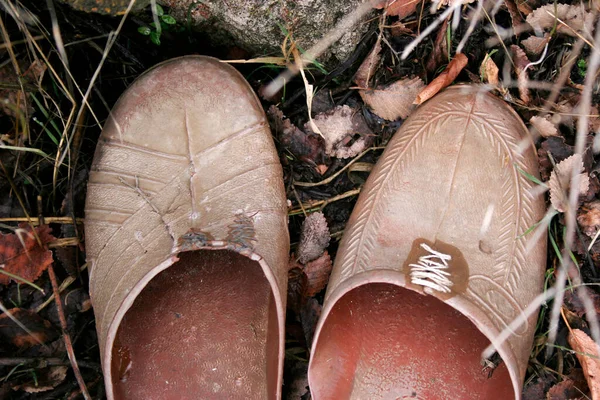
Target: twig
[63,286]
[66,337]
[332,177]
[321,204]
[49,220]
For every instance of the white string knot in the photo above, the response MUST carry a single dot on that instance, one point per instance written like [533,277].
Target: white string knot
[430,270]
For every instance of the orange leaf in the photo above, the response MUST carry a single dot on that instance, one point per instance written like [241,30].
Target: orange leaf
[400,8]
[21,255]
[587,354]
[444,79]
[317,272]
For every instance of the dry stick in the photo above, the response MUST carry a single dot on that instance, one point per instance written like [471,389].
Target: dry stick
[49,220]
[332,177]
[324,203]
[66,337]
[582,132]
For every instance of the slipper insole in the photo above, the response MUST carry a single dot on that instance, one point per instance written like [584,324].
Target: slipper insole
[206,327]
[382,341]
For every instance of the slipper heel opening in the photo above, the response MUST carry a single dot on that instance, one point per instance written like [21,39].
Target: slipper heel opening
[206,327]
[383,341]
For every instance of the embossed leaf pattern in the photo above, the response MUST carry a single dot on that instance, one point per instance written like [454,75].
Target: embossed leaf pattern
[560,181]
[22,255]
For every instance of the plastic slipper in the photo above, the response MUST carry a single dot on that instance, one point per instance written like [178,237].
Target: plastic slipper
[186,233]
[436,260]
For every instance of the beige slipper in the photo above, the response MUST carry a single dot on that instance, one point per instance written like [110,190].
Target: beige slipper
[186,233]
[436,261]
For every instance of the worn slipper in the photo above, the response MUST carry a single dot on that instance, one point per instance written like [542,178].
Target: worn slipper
[186,235]
[436,261]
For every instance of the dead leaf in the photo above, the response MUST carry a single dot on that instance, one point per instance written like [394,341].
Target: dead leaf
[515,14]
[535,391]
[21,255]
[587,354]
[534,45]
[46,379]
[555,147]
[399,29]
[575,20]
[574,303]
[368,66]
[393,101]
[560,180]
[309,315]
[338,128]
[297,284]
[317,273]
[544,126]
[588,217]
[41,331]
[439,53]
[490,71]
[314,237]
[399,8]
[521,61]
[307,147]
[564,390]
[444,79]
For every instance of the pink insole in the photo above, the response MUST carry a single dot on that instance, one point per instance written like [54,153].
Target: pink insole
[382,341]
[206,327]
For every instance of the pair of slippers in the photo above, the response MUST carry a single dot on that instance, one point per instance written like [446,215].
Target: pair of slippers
[186,235]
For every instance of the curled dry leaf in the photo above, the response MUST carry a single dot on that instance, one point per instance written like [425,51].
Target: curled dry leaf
[40,330]
[521,61]
[564,390]
[588,217]
[394,101]
[439,53]
[306,146]
[314,237]
[368,66]
[560,181]
[489,71]
[568,19]
[22,255]
[444,79]
[589,358]
[317,273]
[534,45]
[544,126]
[338,127]
[46,379]
[399,8]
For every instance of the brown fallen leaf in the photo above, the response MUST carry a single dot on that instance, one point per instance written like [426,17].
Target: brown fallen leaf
[521,61]
[444,79]
[399,8]
[314,237]
[515,14]
[534,45]
[40,330]
[46,379]
[489,71]
[297,284]
[21,255]
[564,390]
[589,358]
[560,181]
[317,273]
[570,20]
[307,147]
[395,100]
[439,53]
[588,217]
[338,128]
[543,126]
[554,147]
[574,303]
[368,66]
